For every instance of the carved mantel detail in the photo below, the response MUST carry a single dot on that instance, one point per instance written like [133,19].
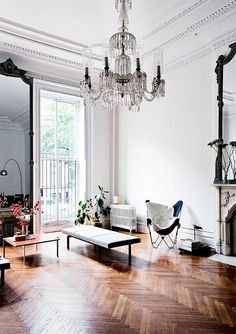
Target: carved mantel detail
[226,244]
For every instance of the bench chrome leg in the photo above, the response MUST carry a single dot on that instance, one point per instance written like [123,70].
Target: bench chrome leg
[129,254]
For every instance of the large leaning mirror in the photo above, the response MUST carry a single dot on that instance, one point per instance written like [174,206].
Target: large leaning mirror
[225,145]
[229,99]
[16,142]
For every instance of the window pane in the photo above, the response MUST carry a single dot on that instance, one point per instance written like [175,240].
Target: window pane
[48,130]
[66,122]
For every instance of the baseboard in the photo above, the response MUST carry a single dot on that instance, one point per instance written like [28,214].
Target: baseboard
[56,227]
[200,235]
[142,226]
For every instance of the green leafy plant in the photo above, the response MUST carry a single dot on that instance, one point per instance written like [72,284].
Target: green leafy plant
[84,211]
[101,204]
[93,210]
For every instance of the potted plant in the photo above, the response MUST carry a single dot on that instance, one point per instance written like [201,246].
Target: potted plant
[100,205]
[84,211]
[93,210]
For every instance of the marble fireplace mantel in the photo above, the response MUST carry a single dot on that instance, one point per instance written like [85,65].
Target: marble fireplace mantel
[226,244]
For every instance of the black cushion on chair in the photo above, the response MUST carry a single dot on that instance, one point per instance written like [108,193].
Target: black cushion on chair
[168,230]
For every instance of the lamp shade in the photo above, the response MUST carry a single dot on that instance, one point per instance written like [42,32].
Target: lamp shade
[3,172]
[117,199]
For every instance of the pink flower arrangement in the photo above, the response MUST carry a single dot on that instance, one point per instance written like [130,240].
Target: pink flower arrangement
[24,214]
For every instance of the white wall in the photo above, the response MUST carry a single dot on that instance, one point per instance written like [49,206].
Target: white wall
[100,149]
[162,150]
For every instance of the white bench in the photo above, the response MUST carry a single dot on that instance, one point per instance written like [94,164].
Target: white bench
[100,237]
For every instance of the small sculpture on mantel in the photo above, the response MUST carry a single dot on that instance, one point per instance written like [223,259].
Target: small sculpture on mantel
[227,198]
[227,154]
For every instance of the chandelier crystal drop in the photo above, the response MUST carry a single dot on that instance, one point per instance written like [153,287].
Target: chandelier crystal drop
[122,87]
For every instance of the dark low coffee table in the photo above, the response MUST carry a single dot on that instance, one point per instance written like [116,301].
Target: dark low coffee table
[35,239]
[4,264]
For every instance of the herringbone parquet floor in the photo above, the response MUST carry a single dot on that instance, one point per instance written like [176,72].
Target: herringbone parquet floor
[162,292]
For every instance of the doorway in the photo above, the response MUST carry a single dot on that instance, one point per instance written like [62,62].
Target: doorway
[61,157]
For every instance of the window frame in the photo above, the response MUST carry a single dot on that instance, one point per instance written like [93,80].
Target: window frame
[88,149]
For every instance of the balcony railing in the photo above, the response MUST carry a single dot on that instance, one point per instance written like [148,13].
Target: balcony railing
[58,188]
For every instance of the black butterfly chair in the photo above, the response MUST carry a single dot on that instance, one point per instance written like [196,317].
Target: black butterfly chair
[163,231]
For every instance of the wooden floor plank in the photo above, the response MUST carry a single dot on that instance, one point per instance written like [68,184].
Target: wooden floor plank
[162,292]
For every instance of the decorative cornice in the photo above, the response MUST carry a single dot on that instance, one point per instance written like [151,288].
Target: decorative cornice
[226,40]
[175,18]
[44,55]
[186,60]
[78,65]
[229,96]
[196,27]
[6,124]
[211,47]
[213,16]
[54,79]
[42,38]
[31,33]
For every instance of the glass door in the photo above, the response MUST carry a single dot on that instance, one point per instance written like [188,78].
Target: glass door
[61,154]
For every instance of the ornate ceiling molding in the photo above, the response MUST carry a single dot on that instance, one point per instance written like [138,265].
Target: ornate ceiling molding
[34,36]
[226,40]
[189,59]
[197,26]
[213,16]
[42,37]
[175,18]
[6,124]
[43,55]
[210,48]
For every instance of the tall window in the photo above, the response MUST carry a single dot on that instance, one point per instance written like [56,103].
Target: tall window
[61,138]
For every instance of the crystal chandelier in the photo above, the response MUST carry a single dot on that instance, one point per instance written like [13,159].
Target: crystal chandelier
[121,87]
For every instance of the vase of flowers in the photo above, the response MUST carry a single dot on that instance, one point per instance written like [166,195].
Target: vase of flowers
[24,214]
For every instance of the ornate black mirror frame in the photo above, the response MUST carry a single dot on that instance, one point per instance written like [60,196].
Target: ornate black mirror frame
[8,68]
[221,62]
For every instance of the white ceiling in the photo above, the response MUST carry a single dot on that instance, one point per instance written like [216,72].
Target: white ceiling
[91,21]
[45,29]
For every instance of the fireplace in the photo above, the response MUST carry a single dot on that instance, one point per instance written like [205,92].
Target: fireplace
[226,244]
[230,221]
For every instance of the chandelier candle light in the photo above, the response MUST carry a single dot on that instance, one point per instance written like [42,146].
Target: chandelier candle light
[121,87]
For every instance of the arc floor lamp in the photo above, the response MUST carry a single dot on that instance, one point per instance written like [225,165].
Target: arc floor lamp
[4,172]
